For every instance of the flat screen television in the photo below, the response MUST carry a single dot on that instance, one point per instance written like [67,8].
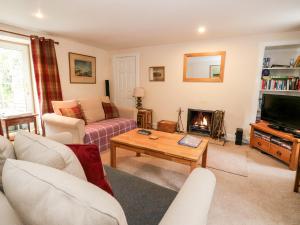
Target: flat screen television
[281,110]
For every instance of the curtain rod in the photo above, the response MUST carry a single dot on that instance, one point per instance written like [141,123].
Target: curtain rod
[23,35]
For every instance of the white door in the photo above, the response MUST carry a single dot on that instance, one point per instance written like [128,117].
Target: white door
[125,70]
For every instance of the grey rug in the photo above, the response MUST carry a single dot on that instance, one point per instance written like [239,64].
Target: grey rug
[143,202]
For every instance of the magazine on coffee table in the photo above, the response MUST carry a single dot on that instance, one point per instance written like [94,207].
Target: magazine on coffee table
[190,141]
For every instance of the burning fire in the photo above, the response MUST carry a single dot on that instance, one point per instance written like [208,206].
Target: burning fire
[202,122]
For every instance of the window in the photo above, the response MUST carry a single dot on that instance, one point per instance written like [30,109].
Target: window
[16,95]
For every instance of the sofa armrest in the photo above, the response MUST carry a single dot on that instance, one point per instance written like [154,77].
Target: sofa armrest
[192,202]
[63,138]
[54,124]
[129,113]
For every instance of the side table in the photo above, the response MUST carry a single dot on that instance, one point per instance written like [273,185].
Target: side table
[144,118]
[18,119]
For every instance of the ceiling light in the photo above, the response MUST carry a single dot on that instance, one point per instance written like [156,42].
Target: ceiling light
[201,30]
[39,14]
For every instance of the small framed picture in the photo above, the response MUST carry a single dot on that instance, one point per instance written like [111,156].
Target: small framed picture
[82,68]
[157,73]
[214,71]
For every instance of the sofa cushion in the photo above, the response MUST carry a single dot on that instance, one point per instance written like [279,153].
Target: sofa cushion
[99,133]
[105,99]
[63,104]
[8,215]
[48,196]
[90,160]
[38,149]
[110,110]
[74,112]
[6,151]
[92,109]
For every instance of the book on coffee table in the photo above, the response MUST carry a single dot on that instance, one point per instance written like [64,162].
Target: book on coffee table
[190,141]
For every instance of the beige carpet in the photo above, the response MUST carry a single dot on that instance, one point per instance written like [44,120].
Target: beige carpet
[255,189]
[232,159]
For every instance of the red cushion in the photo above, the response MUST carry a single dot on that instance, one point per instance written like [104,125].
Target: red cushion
[90,160]
[74,112]
[110,110]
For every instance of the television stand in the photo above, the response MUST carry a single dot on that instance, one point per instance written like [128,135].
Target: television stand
[280,144]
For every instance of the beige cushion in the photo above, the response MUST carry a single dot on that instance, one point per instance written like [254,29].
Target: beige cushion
[35,148]
[105,99]
[6,151]
[63,104]
[7,215]
[92,109]
[47,196]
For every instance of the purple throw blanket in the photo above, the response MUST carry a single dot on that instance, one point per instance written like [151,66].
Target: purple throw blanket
[99,133]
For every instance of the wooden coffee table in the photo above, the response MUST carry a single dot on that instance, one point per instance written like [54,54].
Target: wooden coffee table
[165,147]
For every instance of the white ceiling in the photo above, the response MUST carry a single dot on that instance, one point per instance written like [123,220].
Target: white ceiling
[115,24]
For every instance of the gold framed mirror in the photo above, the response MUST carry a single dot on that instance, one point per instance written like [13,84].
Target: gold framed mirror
[204,67]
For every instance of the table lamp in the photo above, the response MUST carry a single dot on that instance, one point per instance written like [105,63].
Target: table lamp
[138,93]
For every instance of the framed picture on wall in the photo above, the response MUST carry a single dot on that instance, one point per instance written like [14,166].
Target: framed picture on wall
[82,68]
[157,73]
[214,71]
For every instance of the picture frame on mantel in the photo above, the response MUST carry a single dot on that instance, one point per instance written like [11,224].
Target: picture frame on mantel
[82,68]
[157,73]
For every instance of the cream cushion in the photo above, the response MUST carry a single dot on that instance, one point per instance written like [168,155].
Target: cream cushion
[35,148]
[104,99]
[92,109]
[7,215]
[63,104]
[6,151]
[47,196]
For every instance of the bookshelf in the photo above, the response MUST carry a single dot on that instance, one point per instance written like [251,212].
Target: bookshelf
[280,76]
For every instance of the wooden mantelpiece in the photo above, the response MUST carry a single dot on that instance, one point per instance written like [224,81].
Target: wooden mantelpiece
[289,157]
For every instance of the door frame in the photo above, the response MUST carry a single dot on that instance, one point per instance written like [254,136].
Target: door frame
[137,69]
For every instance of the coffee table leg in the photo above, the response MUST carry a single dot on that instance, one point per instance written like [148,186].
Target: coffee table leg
[194,165]
[113,155]
[204,158]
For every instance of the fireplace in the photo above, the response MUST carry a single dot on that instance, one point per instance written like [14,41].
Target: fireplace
[200,121]
[206,122]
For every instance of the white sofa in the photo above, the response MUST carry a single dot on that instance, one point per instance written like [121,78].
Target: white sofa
[35,192]
[93,111]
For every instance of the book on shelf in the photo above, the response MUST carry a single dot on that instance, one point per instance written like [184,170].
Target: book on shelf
[287,83]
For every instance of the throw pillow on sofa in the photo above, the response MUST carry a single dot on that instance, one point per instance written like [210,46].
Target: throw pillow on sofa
[110,110]
[74,112]
[35,148]
[63,104]
[7,214]
[6,151]
[90,160]
[47,196]
[92,109]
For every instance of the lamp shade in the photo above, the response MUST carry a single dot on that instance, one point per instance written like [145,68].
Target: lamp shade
[138,92]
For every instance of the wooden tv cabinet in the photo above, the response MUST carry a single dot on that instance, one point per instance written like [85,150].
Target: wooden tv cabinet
[288,156]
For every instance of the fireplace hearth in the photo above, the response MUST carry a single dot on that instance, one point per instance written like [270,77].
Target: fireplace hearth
[205,122]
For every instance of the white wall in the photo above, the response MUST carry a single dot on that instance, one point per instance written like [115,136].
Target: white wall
[237,95]
[71,91]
